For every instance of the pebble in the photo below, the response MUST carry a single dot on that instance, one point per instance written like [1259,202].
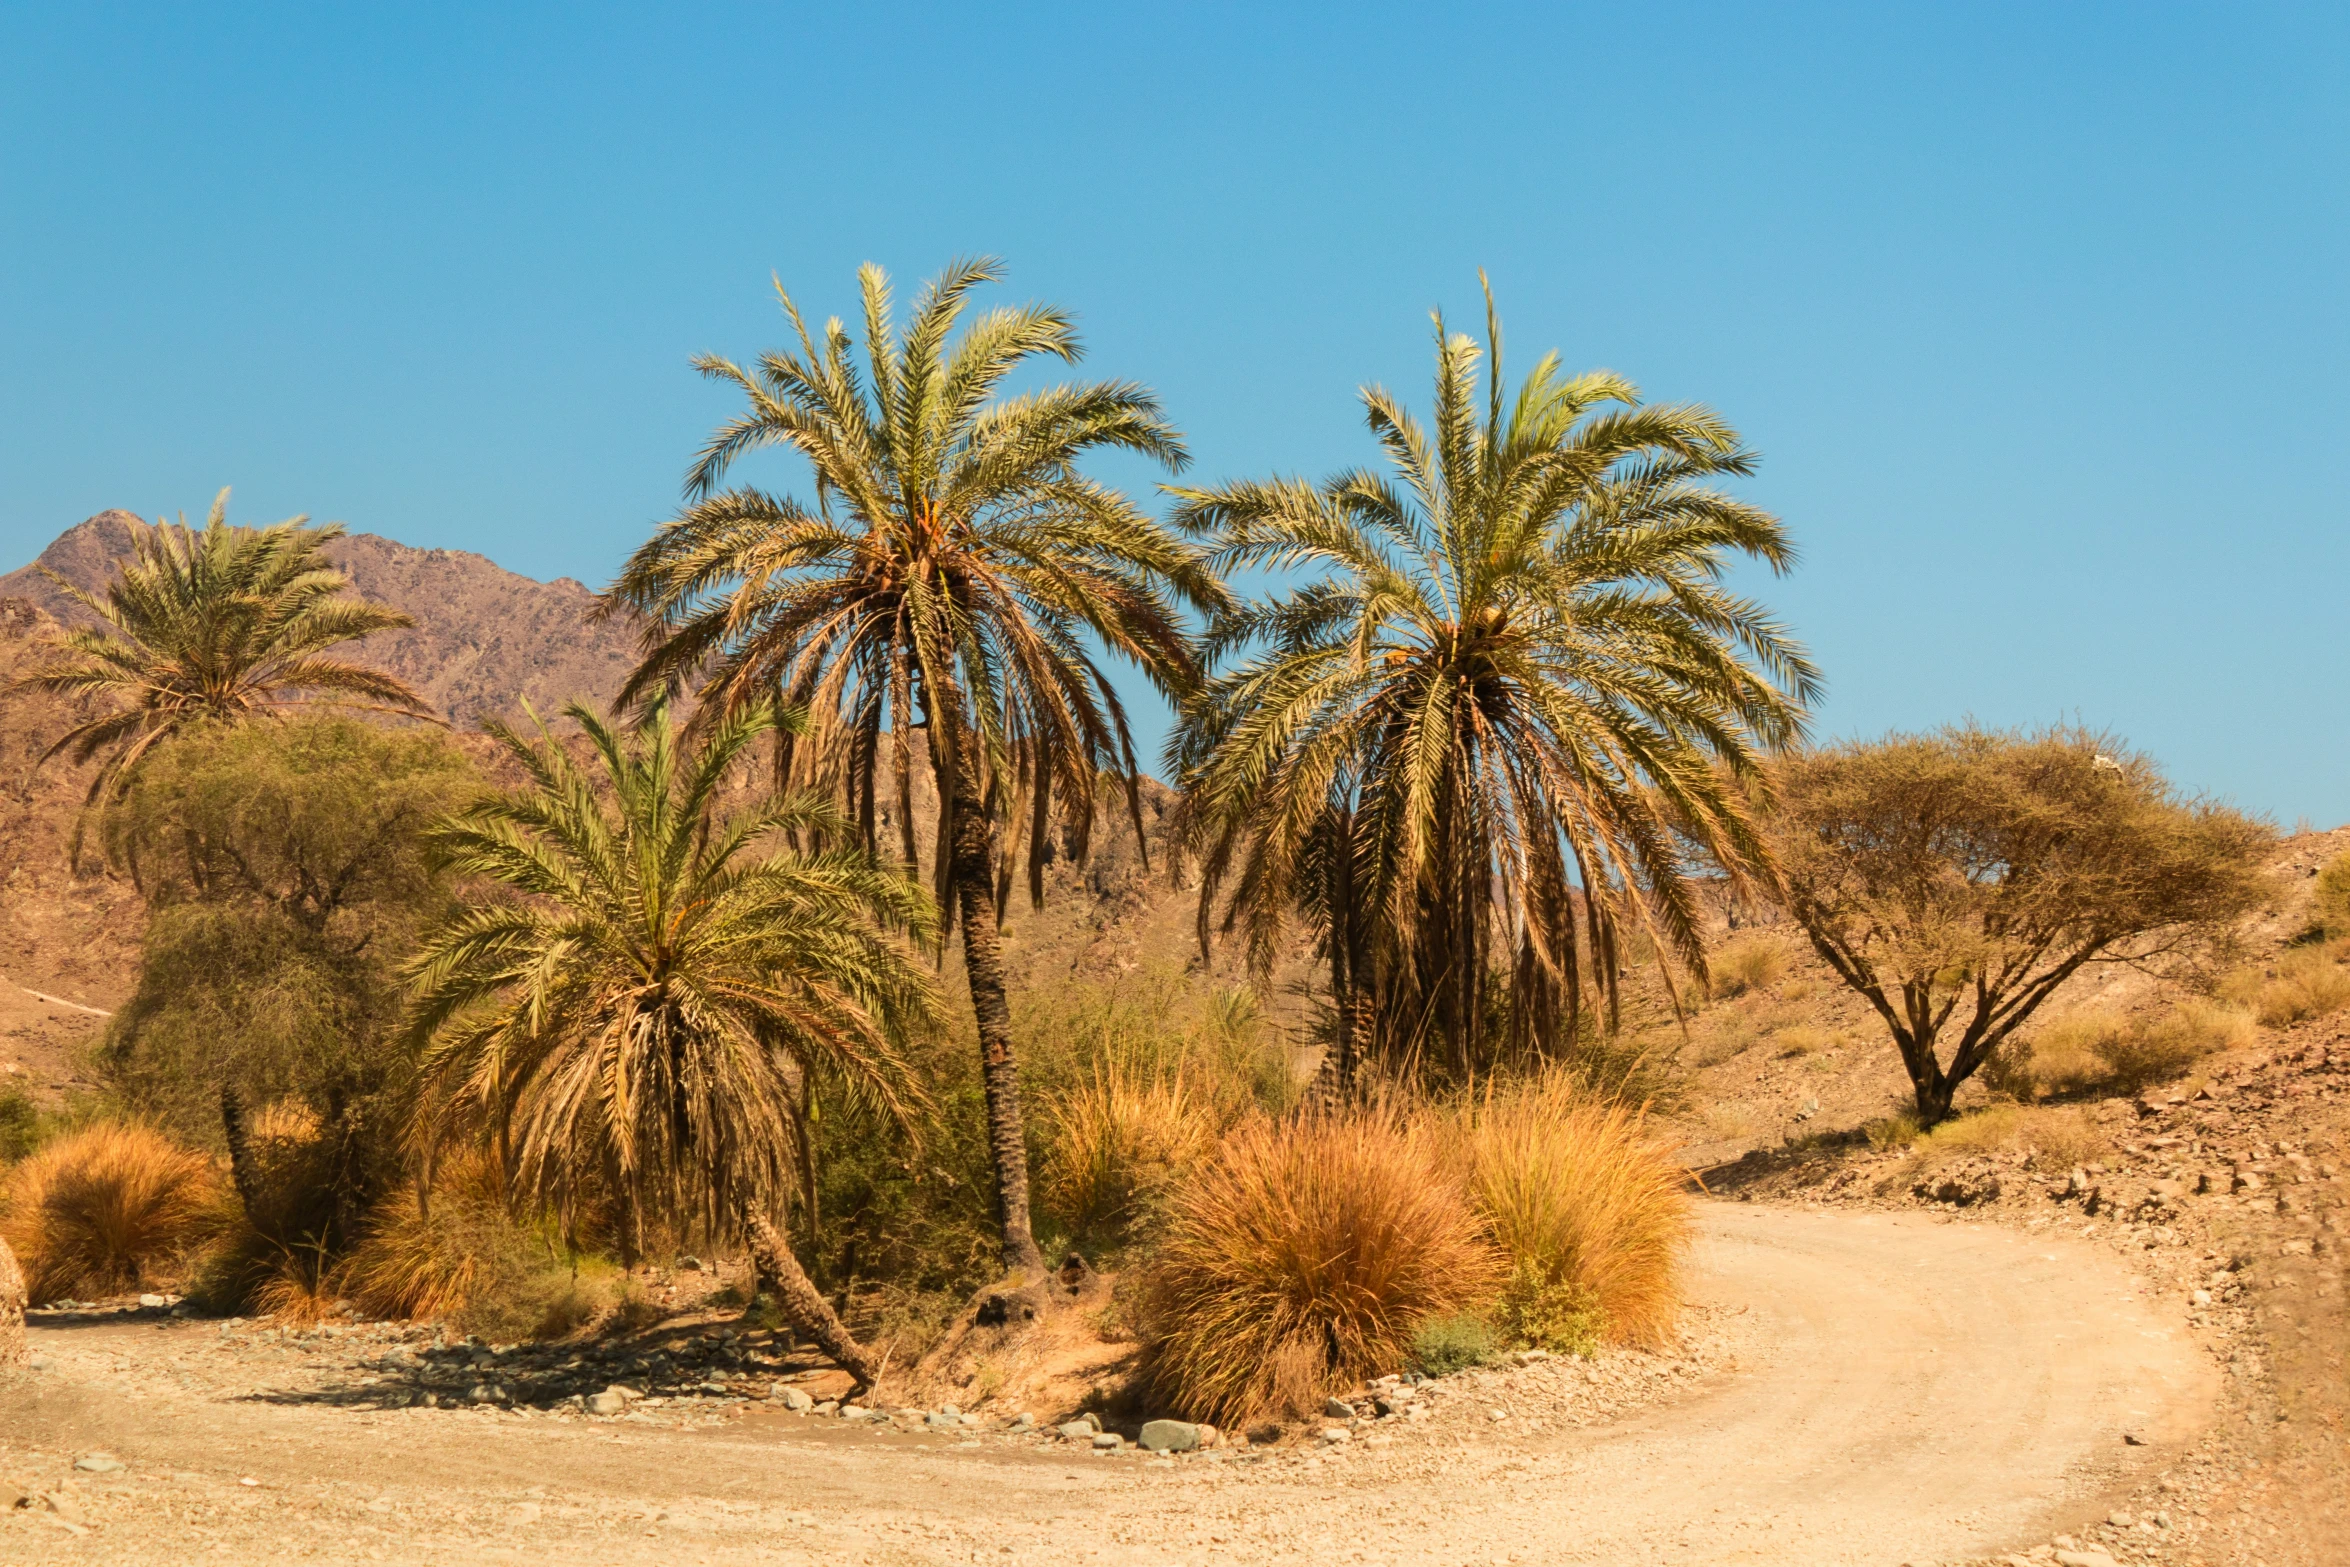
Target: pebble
[99,1464]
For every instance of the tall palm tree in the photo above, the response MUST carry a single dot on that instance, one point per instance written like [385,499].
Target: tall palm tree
[1511,696]
[936,606]
[643,1011]
[225,623]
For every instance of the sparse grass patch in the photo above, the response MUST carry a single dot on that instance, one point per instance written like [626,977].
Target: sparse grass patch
[1802,1040]
[104,1210]
[2300,983]
[2050,1138]
[1749,961]
[1303,1257]
[1118,1145]
[2086,1053]
[1901,1129]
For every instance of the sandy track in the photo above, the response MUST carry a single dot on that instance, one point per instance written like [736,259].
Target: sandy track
[1918,1391]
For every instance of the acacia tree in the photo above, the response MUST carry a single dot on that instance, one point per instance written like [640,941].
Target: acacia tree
[1957,879]
[932,608]
[643,1009]
[222,623]
[1509,693]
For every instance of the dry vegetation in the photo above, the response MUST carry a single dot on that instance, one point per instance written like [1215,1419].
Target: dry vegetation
[107,1209]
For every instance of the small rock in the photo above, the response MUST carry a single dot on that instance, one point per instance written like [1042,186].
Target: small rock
[1336,1434]
[152,1302]
[607,1403]
[1078,1430]
[1338,1409]
[1170,1436]
[945,1418]
[99,1464]
[1108,1441]
[2085,1559]
[859,1412]
[794,1399]
[830,1406]
[2134,1438]
[1024,1421]
[689,1264]
[2121,1520]
[1497,1416]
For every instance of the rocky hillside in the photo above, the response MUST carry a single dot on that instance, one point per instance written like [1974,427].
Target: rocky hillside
[485,640]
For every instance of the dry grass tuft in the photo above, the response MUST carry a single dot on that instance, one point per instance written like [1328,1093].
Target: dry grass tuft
[1302,1258]
[2049,1138]
[2302,983]
[2099,1053]
[1118,1146]
[102,1210]
[1752,961]
[1587,1202]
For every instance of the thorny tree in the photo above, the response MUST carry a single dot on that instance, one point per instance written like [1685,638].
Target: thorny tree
[934,608]
[1956,879]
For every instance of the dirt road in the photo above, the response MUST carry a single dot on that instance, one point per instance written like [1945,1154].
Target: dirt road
[1913,1391]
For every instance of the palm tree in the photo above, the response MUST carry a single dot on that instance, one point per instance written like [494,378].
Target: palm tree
[1510,699]
[643,1013]
[225,623]
[937,606]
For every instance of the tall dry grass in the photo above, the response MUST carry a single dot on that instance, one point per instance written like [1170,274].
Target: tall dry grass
[105,1209]
[457,1254]
[1588,1204]
[1118,1145]
[1301,1258]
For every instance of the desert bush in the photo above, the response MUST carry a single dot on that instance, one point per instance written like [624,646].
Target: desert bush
[280,1230]
[1304,1256]
[2329,905]
[1748,961]
[1588,1206]
[1901,1129]
[455,1254]
[2096,1052]
[1118,1145]
[1802,1040]
[1455,1342]
[104,1210]
[2301,983]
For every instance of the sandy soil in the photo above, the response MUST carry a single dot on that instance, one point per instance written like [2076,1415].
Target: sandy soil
[1906,1389]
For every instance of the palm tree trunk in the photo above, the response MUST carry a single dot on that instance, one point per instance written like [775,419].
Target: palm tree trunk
[805,1307]
[240,1148]
[14,1356]
[973,874]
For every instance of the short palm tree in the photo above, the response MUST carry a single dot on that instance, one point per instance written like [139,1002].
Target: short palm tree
[1482,736]
[225,623]
[644,1011]
[935,608]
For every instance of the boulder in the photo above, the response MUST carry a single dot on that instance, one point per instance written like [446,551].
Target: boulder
[1171,1436]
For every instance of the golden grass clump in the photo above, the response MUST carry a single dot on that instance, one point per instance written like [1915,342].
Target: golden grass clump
[1301,1258]
[104,1210]
[2330,899]
[1752,961]
[1118,1146]
[1586,1201]
[2302,983]
[458,1255]
[2049,1138]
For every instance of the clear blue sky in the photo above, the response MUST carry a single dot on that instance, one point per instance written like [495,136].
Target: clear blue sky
[2038,314]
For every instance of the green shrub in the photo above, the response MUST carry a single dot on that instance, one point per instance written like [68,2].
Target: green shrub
[1453,1342]
[20,1124]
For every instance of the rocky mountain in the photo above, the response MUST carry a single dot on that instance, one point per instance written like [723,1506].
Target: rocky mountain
[485,640]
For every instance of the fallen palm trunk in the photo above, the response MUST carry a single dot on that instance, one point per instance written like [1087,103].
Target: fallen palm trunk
[13,1355]
[802,1304]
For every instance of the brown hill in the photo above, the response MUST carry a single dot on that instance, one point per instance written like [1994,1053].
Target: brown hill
[485,640]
